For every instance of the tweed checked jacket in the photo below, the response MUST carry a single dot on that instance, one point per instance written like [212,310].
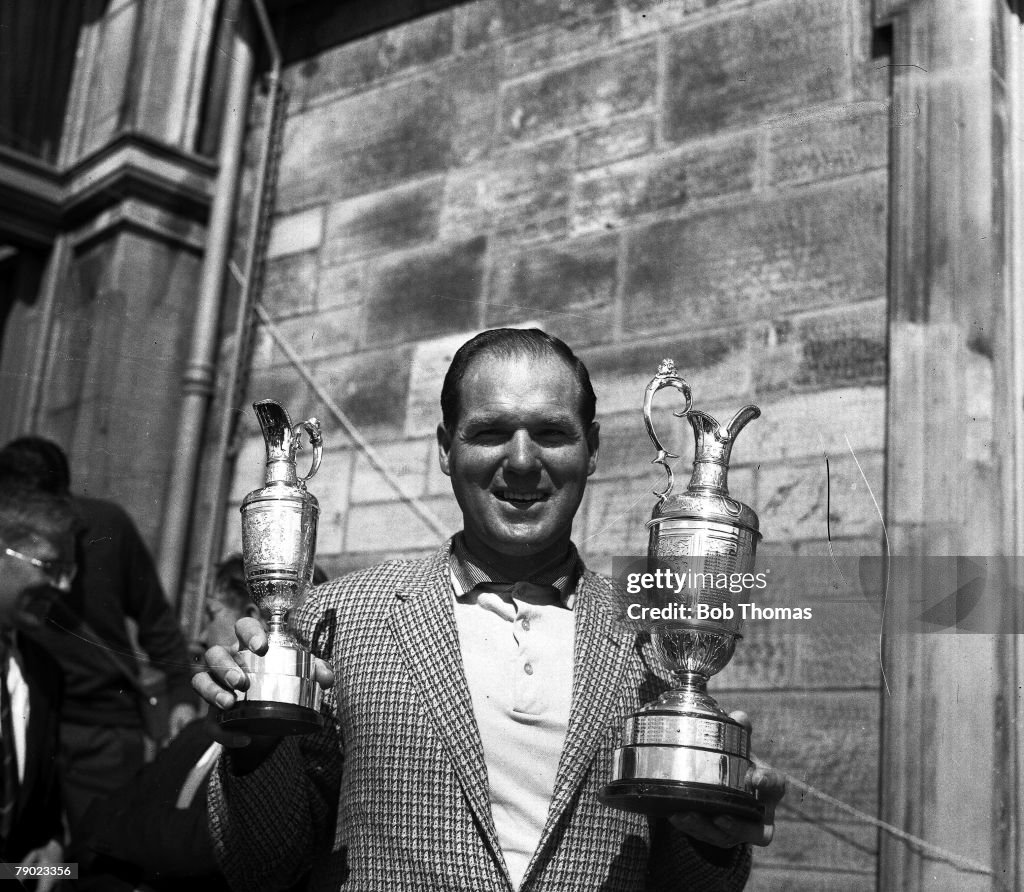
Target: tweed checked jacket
[392,796]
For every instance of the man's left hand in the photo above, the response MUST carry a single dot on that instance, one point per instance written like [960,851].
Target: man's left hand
[181,715]
[724,831]
[48,855]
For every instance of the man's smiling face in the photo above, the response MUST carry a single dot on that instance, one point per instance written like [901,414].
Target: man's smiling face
[519,455]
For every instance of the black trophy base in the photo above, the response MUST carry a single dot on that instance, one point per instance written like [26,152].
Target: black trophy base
[664,798]
[270,719]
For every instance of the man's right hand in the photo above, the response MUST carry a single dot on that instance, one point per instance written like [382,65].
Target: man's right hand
[224,676]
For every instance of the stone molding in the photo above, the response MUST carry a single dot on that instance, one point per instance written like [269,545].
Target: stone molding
[133,178]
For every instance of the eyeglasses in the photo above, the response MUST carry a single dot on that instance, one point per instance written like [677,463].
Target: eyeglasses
[60,573]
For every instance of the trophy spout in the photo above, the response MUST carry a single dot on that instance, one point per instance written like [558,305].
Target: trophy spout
[279,440]
[713,448]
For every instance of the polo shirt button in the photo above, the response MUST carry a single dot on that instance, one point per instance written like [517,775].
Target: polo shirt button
[528,669]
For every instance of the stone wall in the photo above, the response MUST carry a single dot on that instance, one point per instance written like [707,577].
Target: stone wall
[643,178]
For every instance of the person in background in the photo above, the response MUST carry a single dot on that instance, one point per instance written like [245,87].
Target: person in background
[153,831]
[102,733]
[36,567]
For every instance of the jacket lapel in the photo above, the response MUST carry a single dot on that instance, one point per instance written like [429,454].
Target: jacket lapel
[601,651]
[423,623]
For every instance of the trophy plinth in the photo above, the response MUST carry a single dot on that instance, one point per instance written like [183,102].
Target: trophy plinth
[282,699]
[682,752]
[278,547]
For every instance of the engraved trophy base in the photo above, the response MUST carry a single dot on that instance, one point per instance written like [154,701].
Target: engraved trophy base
[283,699]
[682,753]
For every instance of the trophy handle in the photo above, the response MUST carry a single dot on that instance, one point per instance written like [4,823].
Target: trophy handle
[312,427]
[667,376]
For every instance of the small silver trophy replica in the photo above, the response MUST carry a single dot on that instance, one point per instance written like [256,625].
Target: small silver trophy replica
[682,752]
[278,549]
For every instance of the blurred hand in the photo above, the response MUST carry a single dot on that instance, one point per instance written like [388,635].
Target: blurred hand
[224,676]
[181,715]
[724,831]
[51,855]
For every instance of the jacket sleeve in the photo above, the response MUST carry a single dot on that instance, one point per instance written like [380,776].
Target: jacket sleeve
[678,863]
[270,824]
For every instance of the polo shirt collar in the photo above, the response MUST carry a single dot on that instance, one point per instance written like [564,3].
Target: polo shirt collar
[468,572]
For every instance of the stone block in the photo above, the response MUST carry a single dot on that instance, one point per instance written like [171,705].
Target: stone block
[390,525]
[477,24]
[430,360]
[553,46]
[799,501]
[830,422]
[841,845]
[784,879]
[626,450]
[614,141]
[399,218]
[837,660]
[426,293]
[369,387]
[829,142]
[743,68]
[767,659]
[341,285]
[807,250]
[519,16]
[591,91]
[366,142]
[717,366]
[838,348]
[522,194]
[844,348]
[473,83]
[327,333]
[616,512]
[331,486]
[640,17]
[282,383]
[569,287]
[407,463]
[358,64]
[290,285]
[610,196]
[826,739]
[296,233]
[250,465]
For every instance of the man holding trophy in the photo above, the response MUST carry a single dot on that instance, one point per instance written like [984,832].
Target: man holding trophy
[472,701]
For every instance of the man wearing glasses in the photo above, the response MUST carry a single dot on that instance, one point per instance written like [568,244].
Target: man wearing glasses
[102,734]
[36,567]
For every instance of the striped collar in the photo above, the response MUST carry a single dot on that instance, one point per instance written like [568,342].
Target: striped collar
[469,571]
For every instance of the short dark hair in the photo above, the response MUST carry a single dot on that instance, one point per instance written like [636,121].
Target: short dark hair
[36,462]
[26,511]
[512,343]
[229,582]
